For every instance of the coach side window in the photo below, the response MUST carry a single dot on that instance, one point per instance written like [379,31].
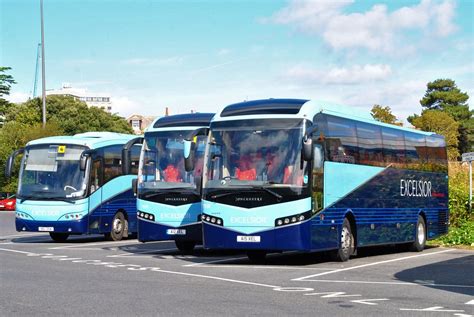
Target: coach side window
[436,153]
[341,140]
[393,147]
[112,162]
[370,144]
[415,150]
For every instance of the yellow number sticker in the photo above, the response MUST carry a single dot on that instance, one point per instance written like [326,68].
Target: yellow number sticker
[61,149]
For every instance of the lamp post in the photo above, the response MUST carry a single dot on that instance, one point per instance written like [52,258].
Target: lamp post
[43,78]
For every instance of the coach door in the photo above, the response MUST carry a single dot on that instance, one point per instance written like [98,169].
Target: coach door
[95,197]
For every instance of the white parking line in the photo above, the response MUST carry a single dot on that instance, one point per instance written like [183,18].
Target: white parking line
[128,255]
[219,278]
[16,251]
[261,267]
[24,235]
[389,283]
[216,261]
[370,264]
[85,245]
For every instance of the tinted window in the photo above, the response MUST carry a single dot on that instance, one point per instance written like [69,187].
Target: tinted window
[370,144]
[341,140]
[112,162]
[393,147]
[436,153]
[135,158]
[415,151]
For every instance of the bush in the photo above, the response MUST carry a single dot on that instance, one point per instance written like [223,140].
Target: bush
[464,234]
[458,193]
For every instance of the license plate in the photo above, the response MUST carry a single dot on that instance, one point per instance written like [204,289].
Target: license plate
[48,229]
[180,232]
[248,238]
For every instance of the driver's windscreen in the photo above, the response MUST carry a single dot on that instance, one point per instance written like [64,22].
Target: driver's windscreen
[256,154]
[52,171]
[162,161]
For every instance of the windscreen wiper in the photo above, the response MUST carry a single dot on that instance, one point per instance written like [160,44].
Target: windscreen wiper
[60,199]
[162,192]
[278,196]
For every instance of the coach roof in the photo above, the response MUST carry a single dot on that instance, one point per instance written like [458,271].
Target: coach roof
[92,140]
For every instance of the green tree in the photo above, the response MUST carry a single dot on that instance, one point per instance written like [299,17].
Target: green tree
[14,135]
[73,116]
[384,114]
[444,95]
[442,123]
[6,81]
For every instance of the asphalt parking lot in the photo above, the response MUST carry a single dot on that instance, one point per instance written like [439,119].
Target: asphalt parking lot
[88,275]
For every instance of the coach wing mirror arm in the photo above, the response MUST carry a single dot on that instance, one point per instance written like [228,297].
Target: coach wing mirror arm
[11,162]
[190,148]
[307,146]
[83,160]
[126,154]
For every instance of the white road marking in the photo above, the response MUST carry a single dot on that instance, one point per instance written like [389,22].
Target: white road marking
[219,279]
[85,245]
[260,267]
[389,283]
[368,301]
[371,264]
[6,243]
[462,315]
[216,261]
[333,294]
[434,309]
[24,235]
[471,302]
[293,289]
[121,255]
[17,251]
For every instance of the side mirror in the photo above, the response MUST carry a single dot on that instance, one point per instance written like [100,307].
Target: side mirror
[318,156]
[135,186]
[83,160]
[307,148]
[126,160]
[11,162]
[189,154]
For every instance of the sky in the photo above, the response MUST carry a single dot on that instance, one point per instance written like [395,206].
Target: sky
[204,55]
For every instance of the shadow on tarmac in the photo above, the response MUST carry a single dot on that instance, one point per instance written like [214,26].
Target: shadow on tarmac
[457,271]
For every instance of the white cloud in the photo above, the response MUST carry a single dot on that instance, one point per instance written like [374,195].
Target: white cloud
[356,74]
[17,97]
[124,106]
[376,29]
[224,52]
[168,61]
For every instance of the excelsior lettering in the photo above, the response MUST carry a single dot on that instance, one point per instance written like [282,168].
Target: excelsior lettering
[248,220]
[415,188]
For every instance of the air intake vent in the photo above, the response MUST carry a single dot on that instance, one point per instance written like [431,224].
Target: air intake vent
[443,222]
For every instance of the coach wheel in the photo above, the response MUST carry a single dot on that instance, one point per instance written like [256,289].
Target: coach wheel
[256,256]
[58,236]
[420,236]
[119,225]
[346,248]
[185,246]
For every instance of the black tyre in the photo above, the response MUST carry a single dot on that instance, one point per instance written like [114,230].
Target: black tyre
[118,228]
[59,236]
[256,256]
[420,236]
[347,243]
[185,246]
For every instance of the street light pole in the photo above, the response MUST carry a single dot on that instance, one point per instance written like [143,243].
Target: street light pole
[43,78]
